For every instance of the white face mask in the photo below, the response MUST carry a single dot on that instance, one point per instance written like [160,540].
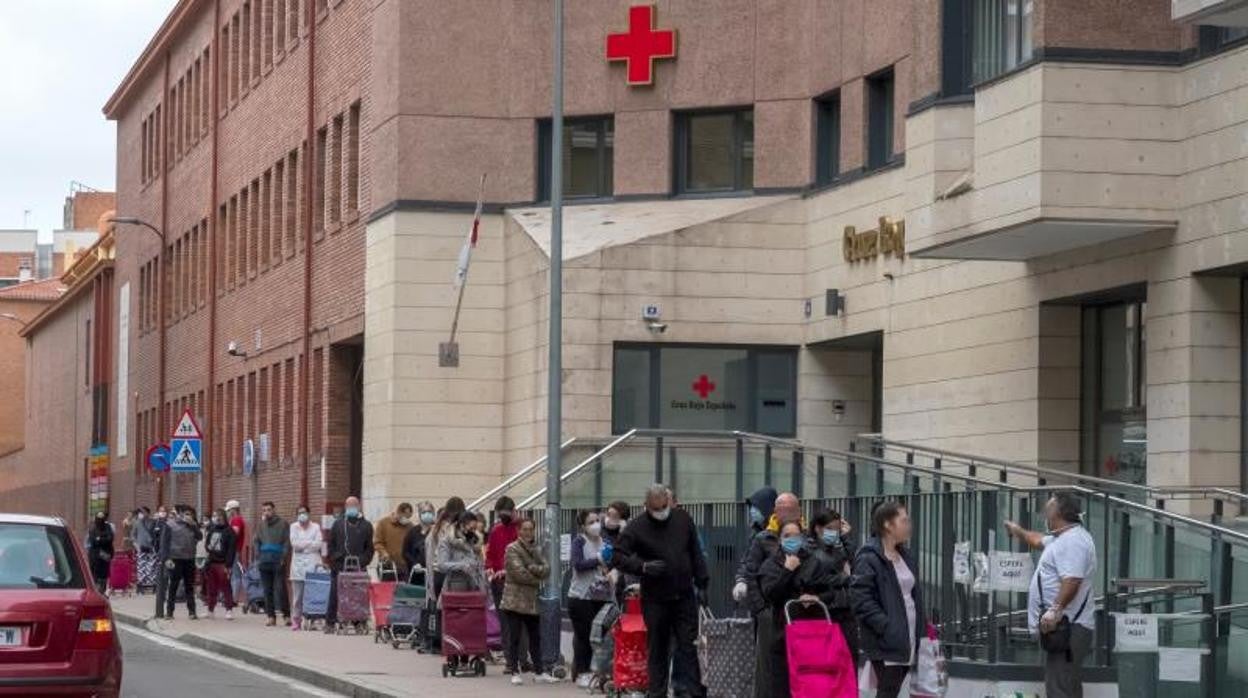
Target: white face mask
[594,529]
[661,514]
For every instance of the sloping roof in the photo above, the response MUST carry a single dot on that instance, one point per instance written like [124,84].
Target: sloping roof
[46,290]
[588,228]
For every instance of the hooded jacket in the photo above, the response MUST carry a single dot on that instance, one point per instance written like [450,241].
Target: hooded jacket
[220,545]
[880,609]
[178,540]
[763,544]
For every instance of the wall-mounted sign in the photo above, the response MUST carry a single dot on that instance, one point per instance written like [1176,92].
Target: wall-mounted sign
[888,239]
[641,45]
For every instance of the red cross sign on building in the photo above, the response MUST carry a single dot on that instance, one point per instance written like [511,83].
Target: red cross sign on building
[641,45]
[704,386]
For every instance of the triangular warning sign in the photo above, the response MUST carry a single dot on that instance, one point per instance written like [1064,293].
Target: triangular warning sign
[186,455]
[187,427]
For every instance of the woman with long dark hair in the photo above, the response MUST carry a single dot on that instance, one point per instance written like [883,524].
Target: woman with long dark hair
[443,526]
[100,550]
[887,599]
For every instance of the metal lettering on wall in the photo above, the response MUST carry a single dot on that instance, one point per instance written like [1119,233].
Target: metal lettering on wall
[888,239]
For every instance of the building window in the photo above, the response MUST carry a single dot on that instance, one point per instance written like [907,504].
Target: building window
[292,201]
[1114,391]
[335,173]
[720,387]
[353,159]
[1214,39]
[1001,36]
[588,158]
[715,151]
[880,121]
[318,202]
[827,139]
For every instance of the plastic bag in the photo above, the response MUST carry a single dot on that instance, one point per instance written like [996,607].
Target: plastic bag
[931,677]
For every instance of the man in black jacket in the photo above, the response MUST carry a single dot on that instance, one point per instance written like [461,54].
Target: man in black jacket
[350,537]
[662,547]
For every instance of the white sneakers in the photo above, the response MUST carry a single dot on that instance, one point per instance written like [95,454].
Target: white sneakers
[583,681]
[546,678]
[229,615]
[517,680]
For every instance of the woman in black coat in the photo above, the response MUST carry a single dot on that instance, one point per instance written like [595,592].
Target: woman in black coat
[796,572]
[829,534]
[887,599]
[100,550]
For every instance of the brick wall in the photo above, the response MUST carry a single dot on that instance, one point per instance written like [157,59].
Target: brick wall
[13,370]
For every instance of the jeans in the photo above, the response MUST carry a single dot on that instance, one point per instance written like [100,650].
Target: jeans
[668,621]
[582,612]
[520,624]
[296,598]
[890,677]
[183,573]
[1062,674]
[274,582]
[217,583]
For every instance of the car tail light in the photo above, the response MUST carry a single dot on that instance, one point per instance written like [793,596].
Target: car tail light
[95,630]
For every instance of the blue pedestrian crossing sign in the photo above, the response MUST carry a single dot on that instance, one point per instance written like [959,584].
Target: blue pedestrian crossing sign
[187,455]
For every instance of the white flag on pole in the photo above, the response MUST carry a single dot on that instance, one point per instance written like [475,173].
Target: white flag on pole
[465,254]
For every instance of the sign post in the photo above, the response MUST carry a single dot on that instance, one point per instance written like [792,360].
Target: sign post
[187,449]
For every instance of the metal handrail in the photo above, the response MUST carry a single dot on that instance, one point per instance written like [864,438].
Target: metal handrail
[1156,492]
[520,475]
[626,436]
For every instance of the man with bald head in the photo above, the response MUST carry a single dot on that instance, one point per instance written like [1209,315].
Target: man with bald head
[350,537]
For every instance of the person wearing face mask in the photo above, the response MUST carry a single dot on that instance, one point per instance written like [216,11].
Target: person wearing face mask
[222,551]
[388,536]
[503,534]
[414,541]
[888,598]
[835,549]
[786,508]
[157,525]
[306,546]
[459,555]
[588,592]
[234,516]
[272,543]
[759,508]
[350,537]
[177,551]
[100,550]
[443,526]
[662,547]
[526,571]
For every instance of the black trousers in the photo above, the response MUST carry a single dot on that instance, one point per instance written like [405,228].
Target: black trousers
[496,595]
[162,588]
[669,622]
[849,628]
[582,612]
[890,678]
[273,580]
[515,626]
[183,573]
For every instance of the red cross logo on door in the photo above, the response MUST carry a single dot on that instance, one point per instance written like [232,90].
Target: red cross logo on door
[641,45]
[703,386]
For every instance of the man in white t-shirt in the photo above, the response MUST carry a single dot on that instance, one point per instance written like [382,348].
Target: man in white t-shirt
[1062,588]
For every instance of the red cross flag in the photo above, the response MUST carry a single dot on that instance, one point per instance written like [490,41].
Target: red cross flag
[465,254]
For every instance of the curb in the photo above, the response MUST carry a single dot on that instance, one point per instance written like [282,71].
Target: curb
[328,682]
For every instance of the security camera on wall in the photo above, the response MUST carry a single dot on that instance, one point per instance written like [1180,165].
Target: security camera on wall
[233,349]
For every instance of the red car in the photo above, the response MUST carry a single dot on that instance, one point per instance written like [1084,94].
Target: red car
[56,631]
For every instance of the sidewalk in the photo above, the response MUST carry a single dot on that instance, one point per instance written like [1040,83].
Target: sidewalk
[352,665]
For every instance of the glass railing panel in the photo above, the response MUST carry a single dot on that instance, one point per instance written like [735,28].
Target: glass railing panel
[704,472]
[1231,665]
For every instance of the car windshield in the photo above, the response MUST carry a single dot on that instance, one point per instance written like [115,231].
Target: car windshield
[37,557]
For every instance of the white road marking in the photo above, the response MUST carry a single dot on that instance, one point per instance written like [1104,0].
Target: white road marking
[170,643]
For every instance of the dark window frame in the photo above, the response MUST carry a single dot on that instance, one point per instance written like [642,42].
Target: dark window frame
[1213,39]
[827,133]
[880,104]
[1000,59]
[753,351]
[681,155]
[605,188]
[1091,393]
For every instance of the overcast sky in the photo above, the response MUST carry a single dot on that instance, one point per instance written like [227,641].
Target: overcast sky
[60,60]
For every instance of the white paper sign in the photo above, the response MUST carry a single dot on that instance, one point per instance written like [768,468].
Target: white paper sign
[962,562]
[1009,571]
[565,547]
[1178,664]
[980,585]
[1135,632]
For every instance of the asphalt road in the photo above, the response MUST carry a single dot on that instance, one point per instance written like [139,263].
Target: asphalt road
[157,670]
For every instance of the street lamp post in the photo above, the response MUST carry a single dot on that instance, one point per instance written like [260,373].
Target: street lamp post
[554,368]
[160,264]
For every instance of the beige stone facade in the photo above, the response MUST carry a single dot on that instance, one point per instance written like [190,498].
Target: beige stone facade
[1076,179]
